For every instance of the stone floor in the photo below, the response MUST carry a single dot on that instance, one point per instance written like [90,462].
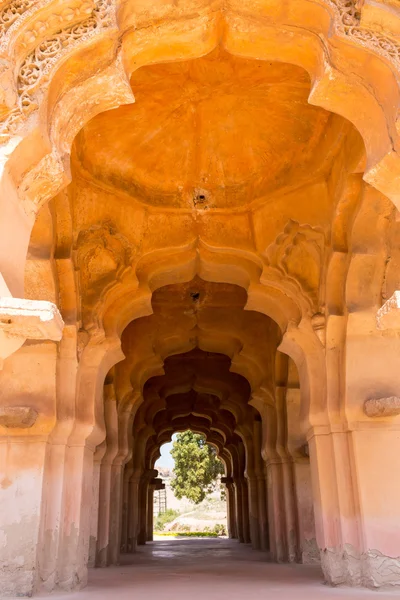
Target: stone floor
[217,569]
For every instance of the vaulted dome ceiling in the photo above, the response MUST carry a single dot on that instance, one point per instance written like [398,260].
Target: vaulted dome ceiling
[220,129]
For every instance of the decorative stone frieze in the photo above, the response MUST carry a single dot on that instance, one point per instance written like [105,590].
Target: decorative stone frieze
[382,407]
[40,61]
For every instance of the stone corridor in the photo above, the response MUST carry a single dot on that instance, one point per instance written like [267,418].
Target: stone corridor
[200,229]
[216,569]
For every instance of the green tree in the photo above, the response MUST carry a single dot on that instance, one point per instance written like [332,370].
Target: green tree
[196,467]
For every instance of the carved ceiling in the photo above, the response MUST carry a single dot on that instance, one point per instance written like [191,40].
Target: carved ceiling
[199,219]
[220,131]
[199,315]
[197,391]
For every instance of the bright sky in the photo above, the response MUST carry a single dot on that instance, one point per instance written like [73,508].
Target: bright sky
[166,459]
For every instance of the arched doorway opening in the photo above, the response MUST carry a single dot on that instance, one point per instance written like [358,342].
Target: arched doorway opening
[218,259]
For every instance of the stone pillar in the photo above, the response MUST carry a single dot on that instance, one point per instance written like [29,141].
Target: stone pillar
[150,512]
[105,505]
[22,463]
[290,512]
[117,516]
[94,513]
[239,509]
[88,432]
[354,459]
[245,511]
[144,507]
[27,418]
[277,534]
[231,506]
[73,554]
[133,511]
[116,490]
[263,541]
[263,511]
[128,471]
[254,524]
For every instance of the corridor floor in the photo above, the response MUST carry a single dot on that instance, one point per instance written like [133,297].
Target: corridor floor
[204,569]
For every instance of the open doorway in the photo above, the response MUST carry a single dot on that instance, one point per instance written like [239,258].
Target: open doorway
[191,501]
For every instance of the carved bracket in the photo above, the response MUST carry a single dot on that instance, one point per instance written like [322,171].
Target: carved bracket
[22,319]
[382,407]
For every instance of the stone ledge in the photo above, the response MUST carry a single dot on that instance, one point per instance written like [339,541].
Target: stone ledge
[30,319]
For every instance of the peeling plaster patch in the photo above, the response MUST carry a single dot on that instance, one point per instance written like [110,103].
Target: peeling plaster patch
[371,569]
[17,416]
[5,483]
[18,558]
[310,554]
[382,407]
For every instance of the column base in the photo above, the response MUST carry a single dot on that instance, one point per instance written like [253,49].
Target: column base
[310,554]
[14,582]
[370,569]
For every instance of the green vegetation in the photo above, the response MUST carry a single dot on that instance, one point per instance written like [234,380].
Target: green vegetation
[187,533]
[184,531]
[196,467]
[166,517]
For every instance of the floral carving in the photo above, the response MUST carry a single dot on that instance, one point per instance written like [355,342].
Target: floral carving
[348,24]
[38,64]
[298,255]
[102,257]
[11,12]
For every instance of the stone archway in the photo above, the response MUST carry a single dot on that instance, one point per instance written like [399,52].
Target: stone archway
[106,202]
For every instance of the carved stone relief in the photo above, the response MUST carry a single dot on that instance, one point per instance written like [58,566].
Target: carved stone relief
[38,64]
[298,254]
[102,256]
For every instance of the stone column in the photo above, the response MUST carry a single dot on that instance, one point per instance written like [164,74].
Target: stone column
[105,506]
[150,512]
[354,458]
[94,513]
[27,418]
[263,540]
[254,524]
[128,471]
[117,516]
[239,509]
[133,511]
[98,356]
[263,511]
[308,549]
[245,511]
[277,534]
[144,507]
[231,506]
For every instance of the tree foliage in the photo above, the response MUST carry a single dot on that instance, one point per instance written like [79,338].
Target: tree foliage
[196,467]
